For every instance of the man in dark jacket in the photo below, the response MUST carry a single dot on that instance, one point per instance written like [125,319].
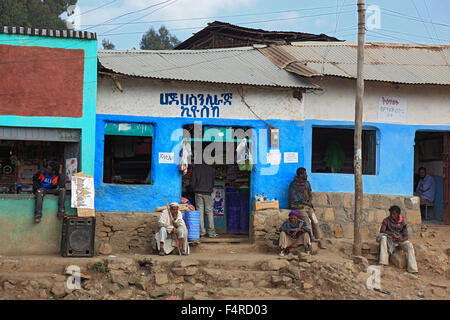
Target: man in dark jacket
[393,234]
[49,182]
[300,199]
[202,184]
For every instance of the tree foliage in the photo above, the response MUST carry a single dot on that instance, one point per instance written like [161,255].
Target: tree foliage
[161,40]
[43,14]
[108,45]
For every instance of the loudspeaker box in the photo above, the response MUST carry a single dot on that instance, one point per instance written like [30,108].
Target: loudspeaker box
[78,235]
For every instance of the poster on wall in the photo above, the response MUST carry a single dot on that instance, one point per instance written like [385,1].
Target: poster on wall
[392,109]
[218,196]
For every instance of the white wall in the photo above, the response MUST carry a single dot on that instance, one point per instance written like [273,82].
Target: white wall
[141,97]
[426,104]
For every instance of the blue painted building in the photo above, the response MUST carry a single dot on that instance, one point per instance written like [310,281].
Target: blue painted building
[406,101]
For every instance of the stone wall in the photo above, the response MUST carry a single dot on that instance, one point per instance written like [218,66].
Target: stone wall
[335,211]
[126,231]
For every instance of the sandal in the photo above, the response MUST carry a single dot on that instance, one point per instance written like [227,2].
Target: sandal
[215,235]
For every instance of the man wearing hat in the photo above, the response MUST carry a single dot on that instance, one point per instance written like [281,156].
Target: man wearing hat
[49,182]
[294,232]
[165,237]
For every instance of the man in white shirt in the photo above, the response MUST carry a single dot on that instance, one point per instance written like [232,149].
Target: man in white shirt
[165,237]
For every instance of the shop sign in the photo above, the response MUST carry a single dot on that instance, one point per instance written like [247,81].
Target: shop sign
[392,109]
[197,105]
[166,157]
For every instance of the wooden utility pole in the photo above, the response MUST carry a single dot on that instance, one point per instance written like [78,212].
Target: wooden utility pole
[357,161]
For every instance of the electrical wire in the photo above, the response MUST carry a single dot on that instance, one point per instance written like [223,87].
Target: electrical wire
[128,13]
[121,26]
[219,17]
[408,17]
[240,23]
[429,17]
[94,9]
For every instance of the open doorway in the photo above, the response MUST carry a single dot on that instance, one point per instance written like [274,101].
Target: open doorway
[431,151]
[231,193]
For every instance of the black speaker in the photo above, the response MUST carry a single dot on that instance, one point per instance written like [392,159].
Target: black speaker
[78,235]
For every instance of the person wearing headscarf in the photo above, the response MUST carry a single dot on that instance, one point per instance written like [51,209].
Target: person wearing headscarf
[293,233]
[165,237]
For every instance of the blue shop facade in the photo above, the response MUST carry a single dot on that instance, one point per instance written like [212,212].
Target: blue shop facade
[147,111]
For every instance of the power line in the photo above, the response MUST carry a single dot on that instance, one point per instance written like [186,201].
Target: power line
[94,9]
[168,4]
[408,17]
[128,13]
[414,35]
[219,17]
[240,23]
[420,17]
[429,17]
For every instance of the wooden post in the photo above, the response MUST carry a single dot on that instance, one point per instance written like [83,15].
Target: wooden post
[357,161]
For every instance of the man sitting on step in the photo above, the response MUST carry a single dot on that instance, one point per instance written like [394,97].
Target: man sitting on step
[165,237]
[294,232]
[394,233]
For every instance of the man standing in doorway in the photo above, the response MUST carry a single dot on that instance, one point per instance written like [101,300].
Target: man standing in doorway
[202,184]
[425,189]
[300,199]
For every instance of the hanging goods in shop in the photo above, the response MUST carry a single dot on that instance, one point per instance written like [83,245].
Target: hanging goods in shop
[185,154]
[244,156]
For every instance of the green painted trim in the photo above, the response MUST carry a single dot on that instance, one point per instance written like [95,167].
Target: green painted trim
[128,129]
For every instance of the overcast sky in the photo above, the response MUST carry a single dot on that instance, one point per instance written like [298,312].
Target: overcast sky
[124,22]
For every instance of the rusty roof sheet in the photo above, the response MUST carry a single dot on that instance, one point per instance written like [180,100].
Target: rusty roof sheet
[245,66]
[389,62]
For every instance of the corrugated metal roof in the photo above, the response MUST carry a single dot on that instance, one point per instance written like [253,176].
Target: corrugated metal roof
[49,33]
[245,66]
[390,62]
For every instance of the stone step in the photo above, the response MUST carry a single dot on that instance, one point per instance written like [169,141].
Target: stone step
[37,276]
[256,292]
[247,279]
[53,264]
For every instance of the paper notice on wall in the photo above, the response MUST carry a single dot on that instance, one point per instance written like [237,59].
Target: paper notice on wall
[166,157]
[392,109]
[82,191]
[274,157]
[291,157]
